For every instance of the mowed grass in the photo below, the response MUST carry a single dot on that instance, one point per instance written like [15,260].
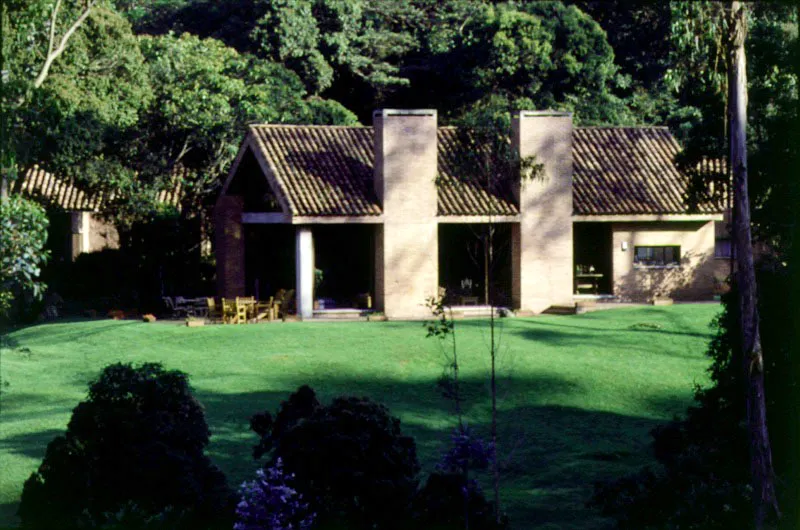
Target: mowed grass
[578,394]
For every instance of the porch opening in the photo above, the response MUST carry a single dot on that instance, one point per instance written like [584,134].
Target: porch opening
[269,259]
[592,267]
[344,262]
[475,263]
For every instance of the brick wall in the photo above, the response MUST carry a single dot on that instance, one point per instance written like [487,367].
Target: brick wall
[229,239]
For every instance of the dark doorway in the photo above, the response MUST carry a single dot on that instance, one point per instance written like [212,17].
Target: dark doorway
[475,263]
[269,259]
[592,253]
[344,258]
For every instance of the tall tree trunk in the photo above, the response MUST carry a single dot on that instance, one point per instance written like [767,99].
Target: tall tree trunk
[752,357]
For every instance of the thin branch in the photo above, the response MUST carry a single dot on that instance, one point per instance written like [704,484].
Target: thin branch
[53,25]
[52,55]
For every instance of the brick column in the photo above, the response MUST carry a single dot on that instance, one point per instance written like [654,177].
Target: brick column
[405,182]
[229,238]
[545,238]
[304,271]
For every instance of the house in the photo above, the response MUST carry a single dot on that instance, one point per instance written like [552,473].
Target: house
[382,210]
[76,225]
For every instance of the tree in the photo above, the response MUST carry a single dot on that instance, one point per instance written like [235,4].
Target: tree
[553,55]
[752,354]
[69,95]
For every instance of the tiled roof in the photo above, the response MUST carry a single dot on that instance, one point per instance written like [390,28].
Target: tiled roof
[328,171]
[324,170]
[321,170]
[51,191]
[458,196]
[628,170]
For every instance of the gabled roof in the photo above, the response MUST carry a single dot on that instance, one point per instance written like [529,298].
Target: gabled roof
[321,170]
[628,170]
[328,171]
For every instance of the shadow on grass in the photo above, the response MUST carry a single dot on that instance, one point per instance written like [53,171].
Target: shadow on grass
[550,455]
[593,331]
[32,444]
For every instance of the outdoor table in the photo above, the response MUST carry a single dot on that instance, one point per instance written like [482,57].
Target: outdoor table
[592,277]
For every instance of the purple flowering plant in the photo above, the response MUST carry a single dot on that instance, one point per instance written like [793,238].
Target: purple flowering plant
[270,503]
[466,452]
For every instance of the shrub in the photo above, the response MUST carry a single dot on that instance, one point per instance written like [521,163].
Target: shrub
[23,234]
[350,459]
[137,440]
[447,497]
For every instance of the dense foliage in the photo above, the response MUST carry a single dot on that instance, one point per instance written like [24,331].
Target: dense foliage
[135,447]
[23,234]
[350,459]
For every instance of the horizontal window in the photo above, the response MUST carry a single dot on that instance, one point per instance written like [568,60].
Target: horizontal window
[657,256]
[722,248]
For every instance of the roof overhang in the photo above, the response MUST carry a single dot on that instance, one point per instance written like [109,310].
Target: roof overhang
[280,218]
[478,219]
[627,218]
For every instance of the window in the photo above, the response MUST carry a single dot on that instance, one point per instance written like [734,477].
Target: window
[722,248]
[657,256]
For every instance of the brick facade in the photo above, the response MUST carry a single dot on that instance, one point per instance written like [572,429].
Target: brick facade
[229,239]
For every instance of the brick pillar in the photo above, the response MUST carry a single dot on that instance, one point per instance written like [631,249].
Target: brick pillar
[229,238]
[545,231]
[405,183]
[304,271]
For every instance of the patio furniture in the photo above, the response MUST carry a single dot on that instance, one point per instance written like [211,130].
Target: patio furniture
[245,308]
[468,300]
[213,312]
[266,309]
[228,311]
[587,281]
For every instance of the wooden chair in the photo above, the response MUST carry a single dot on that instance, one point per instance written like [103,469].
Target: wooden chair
[229,311]
[214,312]
[244,308]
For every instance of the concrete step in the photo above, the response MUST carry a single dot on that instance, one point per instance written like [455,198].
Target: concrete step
[560,310]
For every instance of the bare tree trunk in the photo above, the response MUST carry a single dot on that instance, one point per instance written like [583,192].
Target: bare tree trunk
[752,356]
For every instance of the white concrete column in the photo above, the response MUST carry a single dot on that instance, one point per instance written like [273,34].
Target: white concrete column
[304,267]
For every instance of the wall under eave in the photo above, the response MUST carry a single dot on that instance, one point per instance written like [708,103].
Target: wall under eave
[697,278]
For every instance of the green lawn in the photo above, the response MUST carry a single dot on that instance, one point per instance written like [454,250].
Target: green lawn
[579,394]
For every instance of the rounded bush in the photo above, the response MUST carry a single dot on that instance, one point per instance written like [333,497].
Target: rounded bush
[350,459]
[137,440]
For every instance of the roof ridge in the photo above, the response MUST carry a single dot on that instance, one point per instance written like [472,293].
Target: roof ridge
[297,125]
[623,127]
